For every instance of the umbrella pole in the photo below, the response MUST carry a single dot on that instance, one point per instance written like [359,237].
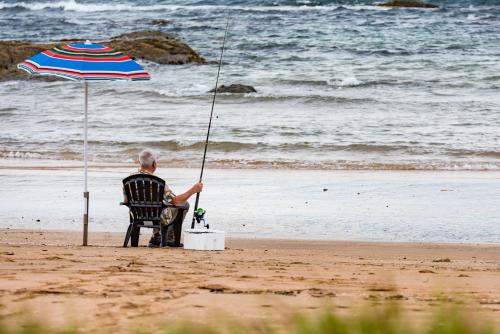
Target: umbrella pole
[85,189]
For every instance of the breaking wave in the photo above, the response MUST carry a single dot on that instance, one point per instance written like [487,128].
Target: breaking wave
[73,5]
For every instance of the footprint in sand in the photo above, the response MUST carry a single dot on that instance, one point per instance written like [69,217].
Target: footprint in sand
[319,293]
[130,305]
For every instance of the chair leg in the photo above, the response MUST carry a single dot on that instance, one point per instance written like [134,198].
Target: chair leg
[127,235]
[136,231]
[177,225]
[177,232]
[163,232]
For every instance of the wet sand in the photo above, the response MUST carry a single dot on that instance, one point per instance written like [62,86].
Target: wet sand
[107,287]
[421,206]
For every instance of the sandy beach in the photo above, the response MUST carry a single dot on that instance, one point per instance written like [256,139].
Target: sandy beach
[107,287]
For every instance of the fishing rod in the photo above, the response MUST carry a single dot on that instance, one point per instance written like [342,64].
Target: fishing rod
[198,215]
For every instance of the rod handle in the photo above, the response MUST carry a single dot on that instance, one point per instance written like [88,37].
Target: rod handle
[195,208]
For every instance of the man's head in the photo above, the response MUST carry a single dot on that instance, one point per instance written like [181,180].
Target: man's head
[147,159]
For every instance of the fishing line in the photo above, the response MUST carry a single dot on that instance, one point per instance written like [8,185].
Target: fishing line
[196,214]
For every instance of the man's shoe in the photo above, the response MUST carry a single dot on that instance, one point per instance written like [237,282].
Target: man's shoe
[154,243]
[173,244]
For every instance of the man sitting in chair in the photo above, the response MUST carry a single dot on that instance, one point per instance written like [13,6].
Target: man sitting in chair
[171,217]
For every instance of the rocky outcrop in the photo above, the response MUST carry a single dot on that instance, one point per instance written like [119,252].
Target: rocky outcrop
[14,52]
[155,46]
[235,89]
[408,4]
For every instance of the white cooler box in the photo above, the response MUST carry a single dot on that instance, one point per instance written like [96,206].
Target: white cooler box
[204,239]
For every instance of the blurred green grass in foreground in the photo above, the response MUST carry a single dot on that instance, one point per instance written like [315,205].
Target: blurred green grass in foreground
[376,320]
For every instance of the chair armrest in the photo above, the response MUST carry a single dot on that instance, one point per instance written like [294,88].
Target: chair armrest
[172,206]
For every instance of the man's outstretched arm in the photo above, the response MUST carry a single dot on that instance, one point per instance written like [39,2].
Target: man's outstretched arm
[179,199]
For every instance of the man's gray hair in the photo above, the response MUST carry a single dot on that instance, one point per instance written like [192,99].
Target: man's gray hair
[147,158]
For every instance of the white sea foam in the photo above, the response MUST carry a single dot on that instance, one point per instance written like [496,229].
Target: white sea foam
[73,5]
[21,155]
[350,81]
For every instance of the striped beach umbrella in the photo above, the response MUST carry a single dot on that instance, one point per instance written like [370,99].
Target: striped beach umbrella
[85,62]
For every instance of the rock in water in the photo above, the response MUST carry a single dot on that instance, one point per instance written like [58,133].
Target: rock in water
[235,88]
[154,46]
[160,22]
[408,4]
[14,52]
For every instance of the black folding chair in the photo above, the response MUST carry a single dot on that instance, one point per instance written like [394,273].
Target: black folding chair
[144,193]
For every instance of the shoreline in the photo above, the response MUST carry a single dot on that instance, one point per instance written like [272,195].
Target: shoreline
[102,236]
[263,279]
[355,166]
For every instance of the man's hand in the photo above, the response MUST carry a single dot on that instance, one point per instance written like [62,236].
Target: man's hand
[197,188]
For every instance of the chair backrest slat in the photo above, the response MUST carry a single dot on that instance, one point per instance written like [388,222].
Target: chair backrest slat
[161,190]
[145,195]
[140,194]
[133,190]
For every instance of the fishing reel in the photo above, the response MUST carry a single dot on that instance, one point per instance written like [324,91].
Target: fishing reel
[199,215]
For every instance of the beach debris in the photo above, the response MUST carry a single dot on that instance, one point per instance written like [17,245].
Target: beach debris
[396,297]
[426,271]
[381,289]
[218,288]
[407,4]
[489,302]
[235,89]
[318,293]
[372,297]
[155,46]
[463,275]
[442,260]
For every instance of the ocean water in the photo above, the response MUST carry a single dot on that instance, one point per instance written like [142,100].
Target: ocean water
[341,85]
